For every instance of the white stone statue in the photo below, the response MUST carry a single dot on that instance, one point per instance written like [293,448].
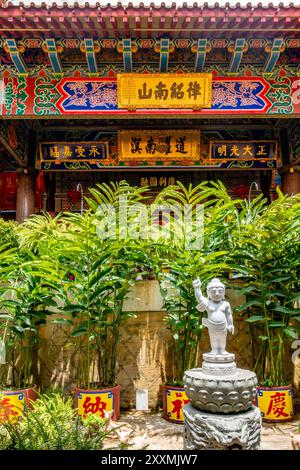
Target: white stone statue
[219,312]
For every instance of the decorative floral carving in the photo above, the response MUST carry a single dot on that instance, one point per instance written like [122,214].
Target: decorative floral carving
[91,95]
[46,96]
[280,96]
[236,95]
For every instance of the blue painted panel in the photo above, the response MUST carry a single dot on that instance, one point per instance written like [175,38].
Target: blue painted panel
[201,55]
[127,55]
[228,95]
[237,55]
[239,95]
[164,55]
[94,96]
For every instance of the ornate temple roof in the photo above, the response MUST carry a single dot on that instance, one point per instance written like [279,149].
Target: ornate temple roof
[145,19]
[151,4]
[61,35]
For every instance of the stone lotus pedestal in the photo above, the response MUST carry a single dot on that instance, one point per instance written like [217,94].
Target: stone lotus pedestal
[221,414]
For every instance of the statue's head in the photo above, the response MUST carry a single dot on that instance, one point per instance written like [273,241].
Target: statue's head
[216,290]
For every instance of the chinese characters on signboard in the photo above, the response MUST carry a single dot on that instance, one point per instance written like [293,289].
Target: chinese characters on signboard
[157,181]
[70,151]
[190,91]
[243,150]
[165,146]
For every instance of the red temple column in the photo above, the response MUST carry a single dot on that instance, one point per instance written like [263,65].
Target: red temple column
[290,175]
[25,193]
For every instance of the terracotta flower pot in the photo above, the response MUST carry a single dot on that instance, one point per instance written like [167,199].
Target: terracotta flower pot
[174,398]
[14,403]
[97,402]
[275,403]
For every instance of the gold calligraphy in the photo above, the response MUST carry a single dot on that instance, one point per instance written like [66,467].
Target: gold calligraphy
[166,146]
[170,91]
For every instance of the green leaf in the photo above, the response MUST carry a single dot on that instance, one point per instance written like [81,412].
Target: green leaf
[6,316]
[246,290]
[81,330]
[251,303]
[294,298]
[289,331]
[285,310]
[255,318]
[98,292]
[275,324]
[278,279]
[263,338]
[99,275]
[275,294]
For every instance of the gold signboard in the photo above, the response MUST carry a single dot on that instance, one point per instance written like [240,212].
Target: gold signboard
[168,147]
[164,90]
[243,150]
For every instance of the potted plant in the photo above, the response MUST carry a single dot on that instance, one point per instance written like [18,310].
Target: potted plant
[53,424]
[102,269]
[27,296]
[177,262]
[31,283]
[266,249]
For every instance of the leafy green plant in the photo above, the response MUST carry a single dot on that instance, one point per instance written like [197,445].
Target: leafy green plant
[31,284]
[53,424]
[8,233]
[103,269]
[27,299]
[266,246]
[178,261]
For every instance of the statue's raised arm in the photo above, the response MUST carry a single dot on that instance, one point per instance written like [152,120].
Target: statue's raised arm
[219,316]
[202,300]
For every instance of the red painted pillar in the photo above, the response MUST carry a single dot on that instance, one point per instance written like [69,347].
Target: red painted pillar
[25,193]
[290,175]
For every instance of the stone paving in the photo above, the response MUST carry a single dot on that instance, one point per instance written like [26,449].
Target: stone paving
[142,430]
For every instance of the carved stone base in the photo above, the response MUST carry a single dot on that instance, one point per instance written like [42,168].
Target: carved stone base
[218,363]
[207,431]
[218,358]
[221,392]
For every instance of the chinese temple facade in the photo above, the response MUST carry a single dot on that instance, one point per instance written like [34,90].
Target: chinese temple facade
[93,92]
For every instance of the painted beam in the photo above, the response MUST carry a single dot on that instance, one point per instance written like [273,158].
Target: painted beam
[20,158]
[11,152]
[53,56]
[200,55]
[90,55]
[274,55]
[16,56]
[127,55]
[164,55]
[237,55]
